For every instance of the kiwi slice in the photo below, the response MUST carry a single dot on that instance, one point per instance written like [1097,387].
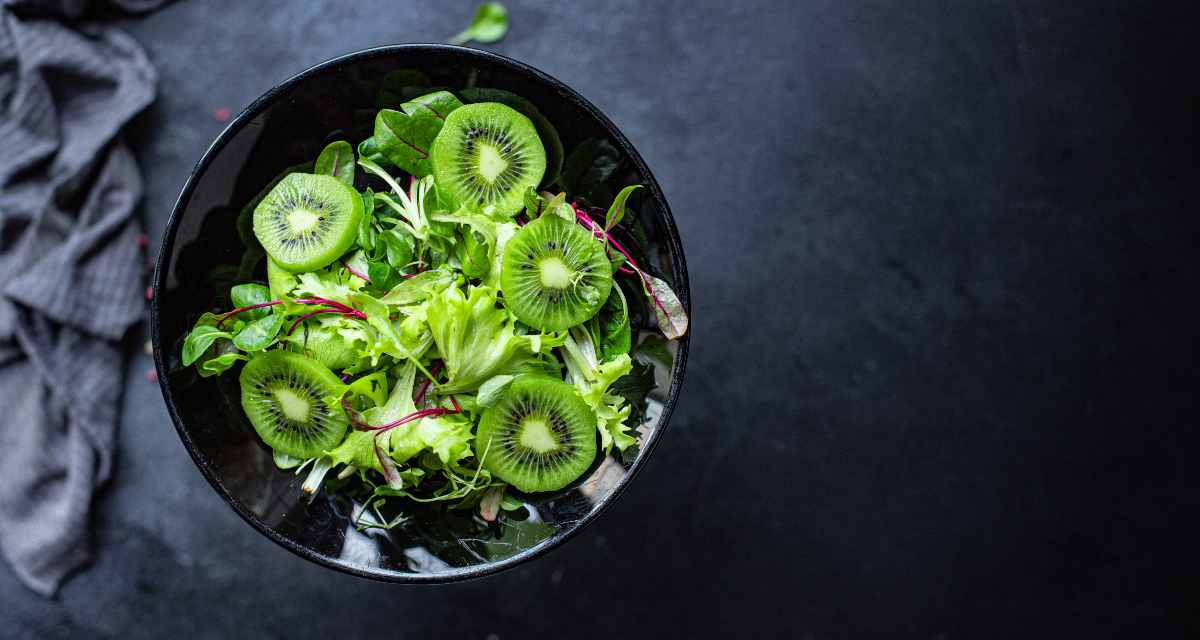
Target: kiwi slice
[487,156]
[283,394]
[539,436]
[554,274]
[307,221]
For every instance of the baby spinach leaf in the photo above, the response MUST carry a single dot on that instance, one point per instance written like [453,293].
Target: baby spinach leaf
[404,137]
[383,276]
[369,149]
[199,340]
[438,104]
[634,387]
[399,246]
[546,131]
[246,295]
[613,335]
[587,168]
[655,348]
[220,364]
[337,160]
[259,335]
[489,25]
[473,255]
[616,211]
[399,86]
[367,234]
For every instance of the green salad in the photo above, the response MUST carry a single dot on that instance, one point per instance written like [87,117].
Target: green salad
[430,323]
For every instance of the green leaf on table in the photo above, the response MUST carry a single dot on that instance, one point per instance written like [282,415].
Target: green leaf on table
[489,25]
[404,136]
[337,160]
[617,210]
[259,334]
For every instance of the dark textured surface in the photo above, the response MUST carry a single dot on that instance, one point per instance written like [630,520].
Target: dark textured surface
[939,382]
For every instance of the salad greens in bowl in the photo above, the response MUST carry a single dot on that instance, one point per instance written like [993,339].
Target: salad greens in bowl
[420,313]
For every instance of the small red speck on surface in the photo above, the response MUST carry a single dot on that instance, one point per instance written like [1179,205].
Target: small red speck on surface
[151,375]
[149,293]
[143,240]
[221,114]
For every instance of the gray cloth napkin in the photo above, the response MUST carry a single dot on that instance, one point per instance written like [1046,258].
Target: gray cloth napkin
[70,272]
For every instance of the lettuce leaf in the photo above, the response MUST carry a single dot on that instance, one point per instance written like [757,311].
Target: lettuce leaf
[335,341]
[592,379]
[448,437]
[477,340]
[407,339]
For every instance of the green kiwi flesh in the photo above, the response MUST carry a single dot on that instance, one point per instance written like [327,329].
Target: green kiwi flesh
[486,157]
[554,274]
[307,221]
[539,436]
[283,395]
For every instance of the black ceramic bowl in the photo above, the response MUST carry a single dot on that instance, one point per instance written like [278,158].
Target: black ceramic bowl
[202,252]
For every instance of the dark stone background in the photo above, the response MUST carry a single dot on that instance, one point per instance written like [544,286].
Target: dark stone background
[940,257]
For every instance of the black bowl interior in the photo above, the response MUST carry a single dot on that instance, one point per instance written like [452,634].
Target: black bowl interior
[202,252]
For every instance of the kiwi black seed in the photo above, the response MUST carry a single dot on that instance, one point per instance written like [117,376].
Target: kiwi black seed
[487,156]
[283,394]
[539,436]
[307,221]
[554,274]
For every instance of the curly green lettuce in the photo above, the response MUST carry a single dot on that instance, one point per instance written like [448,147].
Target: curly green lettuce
[478,340]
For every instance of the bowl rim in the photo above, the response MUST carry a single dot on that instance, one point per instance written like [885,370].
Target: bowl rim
[166,247]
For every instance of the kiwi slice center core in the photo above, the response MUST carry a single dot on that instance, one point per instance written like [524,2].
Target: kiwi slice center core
[491,162]
[536,435]
[302,220]
[554,273]
[292,405]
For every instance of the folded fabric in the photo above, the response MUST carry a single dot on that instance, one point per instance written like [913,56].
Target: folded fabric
[70,272]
